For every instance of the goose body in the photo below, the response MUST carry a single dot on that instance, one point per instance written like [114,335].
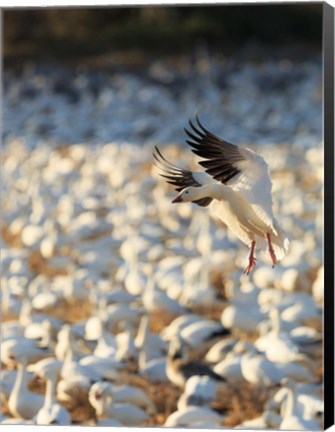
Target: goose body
[179,369]
[152,369]
[292,418]
[126,413]
[258,370]
[23,403]
[190,415]
[202,331]
[199,391]
[235,185]
[230,367]
[51,412]
[122,394]
[220,350]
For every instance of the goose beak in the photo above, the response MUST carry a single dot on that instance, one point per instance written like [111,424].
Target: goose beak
[177,199]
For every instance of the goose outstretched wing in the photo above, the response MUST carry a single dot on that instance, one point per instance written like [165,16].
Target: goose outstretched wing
[240,168]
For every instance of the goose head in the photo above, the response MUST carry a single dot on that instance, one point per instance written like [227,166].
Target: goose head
[177,349]
[48,368]
[188,194]
[99,390]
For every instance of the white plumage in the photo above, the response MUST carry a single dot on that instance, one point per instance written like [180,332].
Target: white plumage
[235,185]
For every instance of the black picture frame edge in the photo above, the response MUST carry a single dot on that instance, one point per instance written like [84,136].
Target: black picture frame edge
[328,94]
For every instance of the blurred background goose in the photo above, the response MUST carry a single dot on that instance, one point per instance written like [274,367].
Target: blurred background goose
[179,368]
[51,412]
[128,414]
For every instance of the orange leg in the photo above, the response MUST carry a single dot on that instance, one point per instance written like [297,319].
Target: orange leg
[271,251]
[252,259]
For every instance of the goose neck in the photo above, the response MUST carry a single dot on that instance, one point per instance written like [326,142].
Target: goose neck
[21,379]
[50,391]
[291,403]
[142,359]
[212,190]
[143,331]
[276,321]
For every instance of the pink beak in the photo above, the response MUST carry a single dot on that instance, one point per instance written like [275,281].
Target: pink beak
[177,199]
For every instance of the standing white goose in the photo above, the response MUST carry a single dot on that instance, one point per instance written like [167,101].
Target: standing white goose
[123,393]
[104,405]
[23,403]
[51,412]
[292,419]
[236,185]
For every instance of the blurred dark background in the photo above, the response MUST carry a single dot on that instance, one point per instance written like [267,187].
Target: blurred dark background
[72,34]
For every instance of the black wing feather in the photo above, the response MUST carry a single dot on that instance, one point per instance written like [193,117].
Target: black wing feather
[178,177]
[220,155]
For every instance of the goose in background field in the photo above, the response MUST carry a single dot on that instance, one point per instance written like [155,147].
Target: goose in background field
[71,368]
[27,316]
[42,333]
[292,418]
[127,413]
[66,342]
[156,300]
[20,347]
[153,369]
[268,419]
[23,403]
[125,342]
[199,391]
[241,318]
[201,332]
[230,367]
[112,294]
[277,344]
[180,369]
[192,415]
[255,367]
[51,412]
[220,350]
[7,379]
[178,324]
[73,390]
[154,344]
[123,393]
[235,185]
[309,400]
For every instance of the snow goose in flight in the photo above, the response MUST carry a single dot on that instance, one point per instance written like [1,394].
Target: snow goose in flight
[237,187]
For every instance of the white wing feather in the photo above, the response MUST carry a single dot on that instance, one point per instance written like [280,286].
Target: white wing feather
[254,185]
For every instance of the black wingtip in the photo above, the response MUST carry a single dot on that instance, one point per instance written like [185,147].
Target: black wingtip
[206,131]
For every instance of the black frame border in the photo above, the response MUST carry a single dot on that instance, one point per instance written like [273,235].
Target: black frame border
[328,327]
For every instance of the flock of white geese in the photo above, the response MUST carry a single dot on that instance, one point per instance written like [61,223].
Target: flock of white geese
[95,226]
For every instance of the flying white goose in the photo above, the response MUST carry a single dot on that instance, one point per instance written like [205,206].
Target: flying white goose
[237,187]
